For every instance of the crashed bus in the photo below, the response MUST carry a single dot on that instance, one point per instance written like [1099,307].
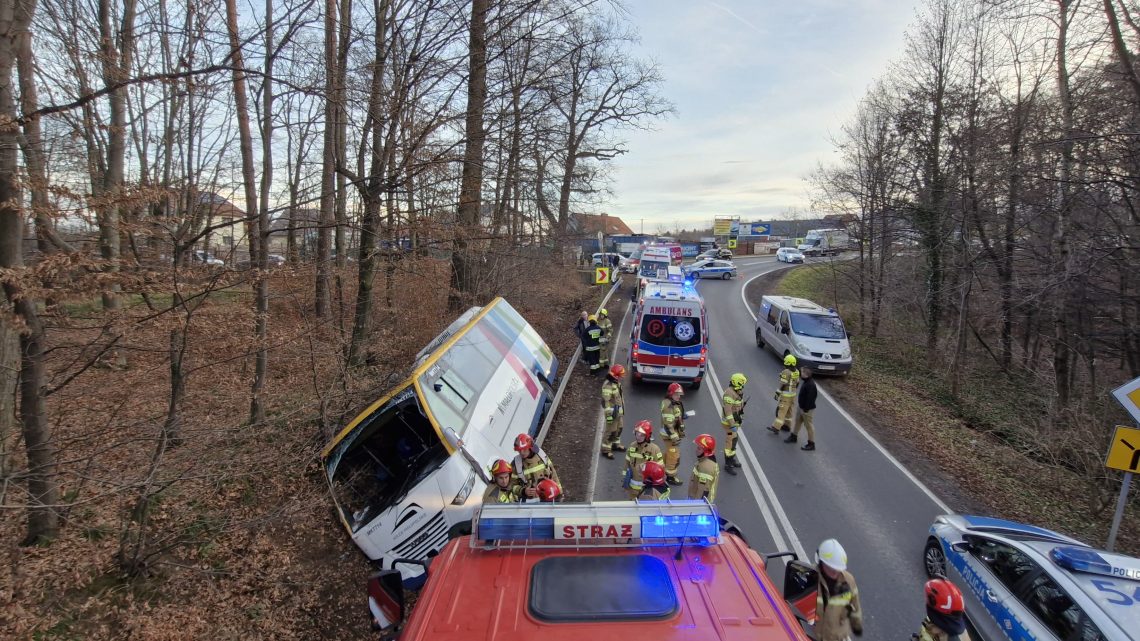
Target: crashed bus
[399,477]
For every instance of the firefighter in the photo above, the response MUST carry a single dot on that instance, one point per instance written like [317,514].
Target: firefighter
[531,466]
[786,395]
[591,344]
[607,327]
[837,608]
[673,430]
[945,613]
[548,491]
[732,410]
[641,451]
[656,488]
[506,488]
[613,407]
[706,473]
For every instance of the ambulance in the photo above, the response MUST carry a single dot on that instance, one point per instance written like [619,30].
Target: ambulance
[670,334]
[634,571]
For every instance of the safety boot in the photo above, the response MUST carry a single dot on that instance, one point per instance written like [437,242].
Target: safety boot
[791,438]
[608,454]
[773,429]
[809,446]
[673,480]
[736,462]
[617,447]
[728,465]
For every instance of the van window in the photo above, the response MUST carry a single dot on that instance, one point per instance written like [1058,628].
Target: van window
[772,314]
[671,331]
[765,308]
[818,326]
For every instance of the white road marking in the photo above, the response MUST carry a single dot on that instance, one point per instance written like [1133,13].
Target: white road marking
[851,419]
[766,496]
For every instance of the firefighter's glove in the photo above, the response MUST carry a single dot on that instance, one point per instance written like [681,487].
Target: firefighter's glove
[857,627]
[775,396]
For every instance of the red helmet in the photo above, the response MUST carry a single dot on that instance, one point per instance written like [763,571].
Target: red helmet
[644,427]
[706,444]
[500,467]
[548,490]
[654,473]
[523,442]
[944,597]
[674,388]
[617,371]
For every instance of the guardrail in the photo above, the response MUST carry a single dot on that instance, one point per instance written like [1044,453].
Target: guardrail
[567,372]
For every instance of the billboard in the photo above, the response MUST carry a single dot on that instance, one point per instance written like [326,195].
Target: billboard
[722,226]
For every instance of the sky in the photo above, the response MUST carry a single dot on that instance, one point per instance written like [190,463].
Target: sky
[760,88]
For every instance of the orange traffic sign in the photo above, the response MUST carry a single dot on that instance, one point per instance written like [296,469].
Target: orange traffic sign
[601,275]
[1124,453]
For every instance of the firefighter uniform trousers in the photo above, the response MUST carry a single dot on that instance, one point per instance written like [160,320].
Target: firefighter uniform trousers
[703,482]
[672,421]
[786,394]
[593,348]
[607,327]
[613,406]
[636,456]
[732,410]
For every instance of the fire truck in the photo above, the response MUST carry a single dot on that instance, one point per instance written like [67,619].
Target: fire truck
[634,571]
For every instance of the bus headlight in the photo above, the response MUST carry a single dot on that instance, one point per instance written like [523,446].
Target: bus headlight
[465,491]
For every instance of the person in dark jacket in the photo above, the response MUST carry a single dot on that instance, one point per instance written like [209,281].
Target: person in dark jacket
[592,344]
[580,326]
[807,396]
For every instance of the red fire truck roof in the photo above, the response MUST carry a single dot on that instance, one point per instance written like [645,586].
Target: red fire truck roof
[602,571]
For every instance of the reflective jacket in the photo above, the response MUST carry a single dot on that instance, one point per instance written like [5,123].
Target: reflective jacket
[931,632]
[837,610]
[731,407]
[655,493]
[703,482]
[635,457]
[496,494]
[612,401]
[534,468]
[789,382]
[592,339]
[607,327]
[672,419]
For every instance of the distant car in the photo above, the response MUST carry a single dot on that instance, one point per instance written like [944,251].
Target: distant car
[275,260]
[724,254]
[721,254]
[1025,582]
[203,257]
[711,269]
[605,259]
[789,255]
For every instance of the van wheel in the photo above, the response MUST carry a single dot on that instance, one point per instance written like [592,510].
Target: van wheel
[696,385]
[759,340]
[725,276]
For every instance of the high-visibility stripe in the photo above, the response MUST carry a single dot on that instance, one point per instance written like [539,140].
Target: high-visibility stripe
[702,477]
[728,452]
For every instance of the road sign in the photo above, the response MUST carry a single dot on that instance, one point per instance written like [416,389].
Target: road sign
[601,275]
[1124,453]
[1128,395]
[732,243]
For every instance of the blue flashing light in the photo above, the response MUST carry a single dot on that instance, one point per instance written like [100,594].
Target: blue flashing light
[507,529]
[675,526]
[1078,559]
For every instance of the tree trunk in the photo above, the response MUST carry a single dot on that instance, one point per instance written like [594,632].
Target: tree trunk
[470,194]
[328,164]
[340,96]
[116,60]
[1061,268]
[260,260]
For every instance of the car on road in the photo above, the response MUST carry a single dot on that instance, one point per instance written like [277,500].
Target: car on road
[1025,582]
[636,571]
[720,254]
[203,257]
[789,255]
[708,268]
[815,335]
[604,259]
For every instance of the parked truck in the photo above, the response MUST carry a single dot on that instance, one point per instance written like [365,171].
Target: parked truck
[825,242]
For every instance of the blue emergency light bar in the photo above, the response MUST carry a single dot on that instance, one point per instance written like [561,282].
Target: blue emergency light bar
[597,523]
[1089,561]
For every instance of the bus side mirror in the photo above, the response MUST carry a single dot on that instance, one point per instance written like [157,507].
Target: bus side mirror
[456,443]
[801,583]
[386,602]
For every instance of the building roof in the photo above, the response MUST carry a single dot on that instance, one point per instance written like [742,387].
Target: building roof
[594,223]
[219,206]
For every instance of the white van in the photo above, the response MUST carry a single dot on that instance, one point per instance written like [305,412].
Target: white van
[399,479]
[813,334]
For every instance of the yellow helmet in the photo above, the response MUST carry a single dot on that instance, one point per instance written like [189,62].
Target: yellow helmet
[738,380]
[605,312]
[790,360]
[591,318]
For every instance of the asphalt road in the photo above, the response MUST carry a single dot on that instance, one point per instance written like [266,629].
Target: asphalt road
[849,488]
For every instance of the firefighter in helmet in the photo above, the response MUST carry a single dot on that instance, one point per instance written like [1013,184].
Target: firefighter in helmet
[732,413]
[613,407]
[641,451]
[786,395]
[945,613]
[607,327]
[655,489]
[505,488]
[673,430]
[706,473]
[531,466]
[548,491]
[592,345]
[838,611]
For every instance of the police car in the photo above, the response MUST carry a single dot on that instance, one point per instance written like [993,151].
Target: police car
[634,571]
[709,268]
[1023,582]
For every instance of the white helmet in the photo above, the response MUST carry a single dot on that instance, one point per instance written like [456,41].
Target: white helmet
[832,554]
